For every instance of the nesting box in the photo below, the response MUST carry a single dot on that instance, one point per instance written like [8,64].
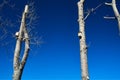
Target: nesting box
[80,35]
[17,34]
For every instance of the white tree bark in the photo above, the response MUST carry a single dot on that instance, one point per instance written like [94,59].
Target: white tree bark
[19,65]
[116,12]
[83,47]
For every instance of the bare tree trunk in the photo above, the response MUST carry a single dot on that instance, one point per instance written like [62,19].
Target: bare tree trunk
[22,34]
[116,12]
[83,47]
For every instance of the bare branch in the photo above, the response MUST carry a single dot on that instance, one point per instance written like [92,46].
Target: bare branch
[109,4]
[105,17]
[97,7]
[27,48]
[4,35]
[32,16]
[92,10]
[87,15]
[5,25]
[36,41]
[6,2]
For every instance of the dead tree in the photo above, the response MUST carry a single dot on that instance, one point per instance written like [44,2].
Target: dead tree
[29,17]
[82,37]
[83,46]
[116,12]
[21,36]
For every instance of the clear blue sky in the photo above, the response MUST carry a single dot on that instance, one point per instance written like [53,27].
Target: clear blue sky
[58,57]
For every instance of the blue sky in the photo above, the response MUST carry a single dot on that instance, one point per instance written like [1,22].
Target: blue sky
[57,58]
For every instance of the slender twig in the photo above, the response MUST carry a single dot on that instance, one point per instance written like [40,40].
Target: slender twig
[92,10]
[106,17]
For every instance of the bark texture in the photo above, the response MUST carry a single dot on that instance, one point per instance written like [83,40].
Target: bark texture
[21,36]
[83,46]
